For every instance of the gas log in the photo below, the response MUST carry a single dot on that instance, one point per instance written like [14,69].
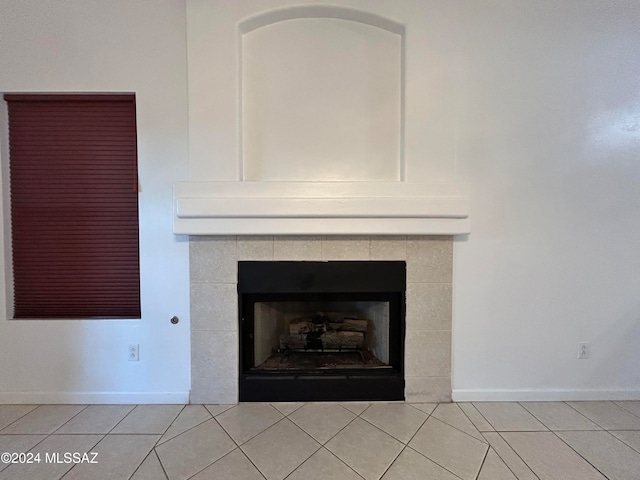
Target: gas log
[324,332]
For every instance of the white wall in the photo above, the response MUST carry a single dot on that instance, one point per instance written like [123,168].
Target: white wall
[549,135]
[101,46]
[547,115]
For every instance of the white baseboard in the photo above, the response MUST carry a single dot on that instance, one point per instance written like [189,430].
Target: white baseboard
[541,395]
[94,397]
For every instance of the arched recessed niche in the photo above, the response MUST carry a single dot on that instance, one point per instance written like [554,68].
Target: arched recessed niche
[321,96]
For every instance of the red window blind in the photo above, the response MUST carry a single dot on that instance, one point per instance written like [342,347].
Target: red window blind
[74,206]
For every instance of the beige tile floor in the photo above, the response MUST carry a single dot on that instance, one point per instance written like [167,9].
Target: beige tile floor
[317,441]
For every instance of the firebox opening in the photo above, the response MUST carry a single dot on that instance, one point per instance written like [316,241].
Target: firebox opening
[321,330]
[321,335]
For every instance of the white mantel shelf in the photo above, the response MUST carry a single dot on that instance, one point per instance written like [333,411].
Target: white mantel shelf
[321,208]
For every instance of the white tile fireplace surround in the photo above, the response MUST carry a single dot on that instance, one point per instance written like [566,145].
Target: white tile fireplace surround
[214,307]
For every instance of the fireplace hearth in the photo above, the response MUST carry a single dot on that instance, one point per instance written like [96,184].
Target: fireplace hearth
[320,331]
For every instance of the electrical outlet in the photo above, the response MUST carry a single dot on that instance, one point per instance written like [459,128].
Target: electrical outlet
[134,352]
[584,350]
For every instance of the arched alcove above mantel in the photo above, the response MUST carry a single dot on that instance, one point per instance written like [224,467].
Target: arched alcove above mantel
[321,96]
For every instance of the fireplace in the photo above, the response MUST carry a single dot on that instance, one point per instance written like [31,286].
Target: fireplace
[319,331]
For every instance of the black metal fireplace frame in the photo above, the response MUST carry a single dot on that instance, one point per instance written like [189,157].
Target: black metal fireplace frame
[310,281]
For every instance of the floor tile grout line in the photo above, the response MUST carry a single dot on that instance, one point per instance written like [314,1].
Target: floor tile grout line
[337,433]
[414,406]
[435,418]
[307,458]
[164,469]
[324,445]
[579,454]
[179,434]
[420,427]
[431,460]
[480,413]
[623,441]
[404,447]
[22,416]
[45,433]
[218,404]
[81,410]
[334,455]
[171,424]
[302,404]
[533,415]
[516,453]
[617,403]
[584,415]
[303,462]
[505,462]
[387,433]
[151,452]
[100,433]
[494,427]
[122,419]
[227,433]
[252,437]
[252,463]
[102,437]
[469,418]
[484,459]
[458,429]
[330,438]
[217,460]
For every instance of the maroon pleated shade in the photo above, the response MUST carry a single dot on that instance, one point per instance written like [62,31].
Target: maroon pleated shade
[74,206]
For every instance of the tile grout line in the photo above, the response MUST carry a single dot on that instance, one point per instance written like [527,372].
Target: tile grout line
[122,419]
[533,415]
[333,436]
[578,453]
[180,434]
[406,445]
[585,416]
[472,422]
[102,437]
[251,438]
[387,433]
[224,456]
[171,424]
[22,416]
[617,403]
[151,452]
[164,470]
[515,453]
[471,405]
[302,430]
[431,460]
[505,463]
[481,414]
[461,431]
[484,459]
[623,441]
[333,454]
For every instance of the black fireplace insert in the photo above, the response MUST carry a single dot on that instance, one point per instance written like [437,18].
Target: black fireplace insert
[321,331]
